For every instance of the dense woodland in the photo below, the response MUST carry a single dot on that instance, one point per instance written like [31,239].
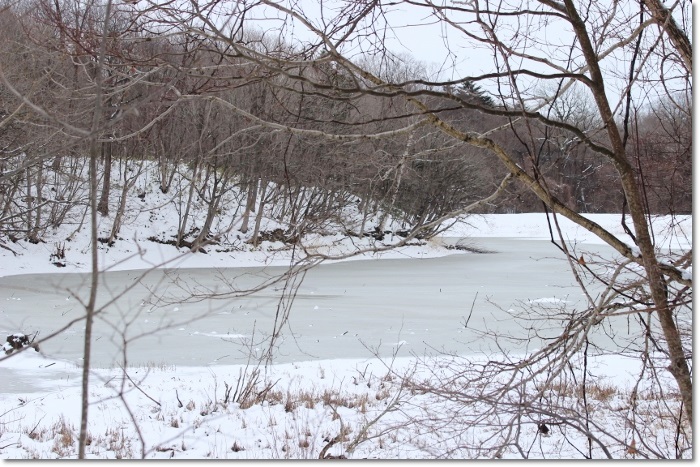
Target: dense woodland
[198,108]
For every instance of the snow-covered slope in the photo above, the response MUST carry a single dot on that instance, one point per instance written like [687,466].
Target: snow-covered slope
[151,220]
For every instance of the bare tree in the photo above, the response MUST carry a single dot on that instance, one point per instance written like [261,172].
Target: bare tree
[315,125]
[596,42]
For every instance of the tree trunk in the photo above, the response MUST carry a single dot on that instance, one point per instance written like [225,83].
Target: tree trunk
[39,186]
[678,38]
[258,216]
[249,204]
[95,274]
[167,171]
[657,285]
[30,205]
[127,185]
[397,180]
[217,190]
[103,205]
[190,194]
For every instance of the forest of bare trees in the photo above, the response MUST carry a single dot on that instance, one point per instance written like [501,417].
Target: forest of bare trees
[595,121]
[186,104]
[311,124]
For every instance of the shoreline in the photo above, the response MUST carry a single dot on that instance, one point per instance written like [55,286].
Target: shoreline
[140,254]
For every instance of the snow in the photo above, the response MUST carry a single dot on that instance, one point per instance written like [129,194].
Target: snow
[549,300]
[139,253]
[671,232]
[184,412]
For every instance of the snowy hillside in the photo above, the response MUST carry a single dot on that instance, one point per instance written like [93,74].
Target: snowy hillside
[354,408]
[150,223]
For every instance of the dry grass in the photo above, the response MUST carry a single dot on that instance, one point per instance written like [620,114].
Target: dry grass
[118,443]
[563,388]
[598,390]
[276,397]
[308,399]
[37,434]
[382,394]
[289,404]
[302,398]
[333,398]
[602,392]
[63,438]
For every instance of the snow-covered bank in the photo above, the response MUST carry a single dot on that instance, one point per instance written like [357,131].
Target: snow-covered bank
[292,411]
[675,232]
[136,251]
[142,224]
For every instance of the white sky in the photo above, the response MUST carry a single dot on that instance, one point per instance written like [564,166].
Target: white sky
[415,31]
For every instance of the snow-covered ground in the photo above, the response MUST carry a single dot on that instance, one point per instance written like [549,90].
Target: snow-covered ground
[137,252]
[292,412]
[360,408]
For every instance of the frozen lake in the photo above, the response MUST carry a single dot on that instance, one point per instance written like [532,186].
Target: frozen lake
[341,310]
